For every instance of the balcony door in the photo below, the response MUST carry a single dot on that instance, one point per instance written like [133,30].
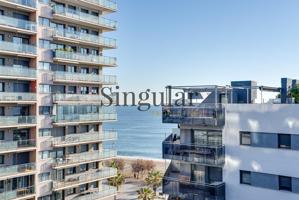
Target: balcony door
[19,40]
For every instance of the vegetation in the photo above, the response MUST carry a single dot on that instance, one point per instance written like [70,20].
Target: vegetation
[117,181]
[145,194]
[295,93]
[139,167]
[154,180]
[119,164]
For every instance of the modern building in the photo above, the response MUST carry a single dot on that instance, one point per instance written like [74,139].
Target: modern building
[51,117]
[235,142]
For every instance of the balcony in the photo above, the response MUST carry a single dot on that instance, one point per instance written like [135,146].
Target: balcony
[204,154]
[17,25]
[107,6]
[82,178]
[25,5]
[14,49]
[84,38]
[78,58]
[86,157]
[17,146]
[106,191]
[83,99]
[185,189]
[17,97]
[60,76]
[81,138]
[17,170]
[87,19]
[19,73]
[20,193]
[201,114]
[17,121]
[84,118]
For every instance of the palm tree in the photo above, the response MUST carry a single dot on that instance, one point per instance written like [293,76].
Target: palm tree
[117,181]
[145,194]
[154,180]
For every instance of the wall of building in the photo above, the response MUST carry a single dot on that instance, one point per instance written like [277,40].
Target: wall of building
[266,118]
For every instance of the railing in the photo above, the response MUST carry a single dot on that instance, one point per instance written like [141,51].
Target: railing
[29,3]
[17,96]
[111,5]
[96,78]
[17,23]
[17,120]
[207,155]
[18,193]
[96,39]
[85,17]
[85,117]
[102,60]
[14,169]
[192,190]
[200,114]
[84,137]
[175,139]
[17,71]
[106,191]
[84,97]
[18,48]
[85,157]
[15,145]
[85,177]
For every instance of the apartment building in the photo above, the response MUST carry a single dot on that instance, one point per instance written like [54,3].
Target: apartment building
[232,142]
[51,118]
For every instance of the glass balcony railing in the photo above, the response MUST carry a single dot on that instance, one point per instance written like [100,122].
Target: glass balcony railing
[17,48]
[206,155]
[76,179]
[29,3]
[186,190]
[105,191]
[85,58]
[96,98]
[17,120]
[15,145]
[18,193]
[13,169]
[85,117]
[17,72]
[17,96]
[81,77]
[84,137]
[17,23]
[84,157]
[108,4]
[200,114]
[95,39]
[101,21]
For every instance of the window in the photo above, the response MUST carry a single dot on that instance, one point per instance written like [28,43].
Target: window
[84,148]
[44,177]
[71,150]
[2,87]
[2,111]
[45,44]
[94,13]
[2,135]
[20,16]
[95,90]
[48,197]
[44,2]
[70,191]
[72,9]
[83,187]
[84,90]
[84,70]
[84,30]
[71,170]
[44,66]
[72,90]
[245,177]
[2,61]
[45,110]
[284,141]
[44,21]
[95,71]
[245,138]
[93,165]
[72,69]
[20,40]
[71,29]
[84,11]
[285,183]
[83,168]
[20,63]
[72,129]
[1,37]
[83,50]
[1,12]
[94,52]
[1,159]
[45,88]
[44,155]
[95,147]
[44,132]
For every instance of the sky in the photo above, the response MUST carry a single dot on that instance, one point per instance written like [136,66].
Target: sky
[199,42]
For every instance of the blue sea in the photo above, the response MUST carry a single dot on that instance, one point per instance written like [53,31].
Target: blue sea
[140,133]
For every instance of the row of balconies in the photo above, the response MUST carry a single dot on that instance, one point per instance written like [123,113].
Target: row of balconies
[81,178]
[105,192]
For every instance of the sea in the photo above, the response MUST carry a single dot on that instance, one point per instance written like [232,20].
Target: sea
[140,133]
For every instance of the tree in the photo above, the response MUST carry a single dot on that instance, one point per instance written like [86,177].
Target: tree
[117,181]
[295,93]
[154,180]
[137,167]
[149,165]
[145,194]
[119,164]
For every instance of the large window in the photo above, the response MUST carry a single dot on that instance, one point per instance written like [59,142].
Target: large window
[285,183]
[245,177]
[245,138]
[284,141]
[44,21]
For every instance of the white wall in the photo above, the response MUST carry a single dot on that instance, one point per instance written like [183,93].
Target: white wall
[272,118]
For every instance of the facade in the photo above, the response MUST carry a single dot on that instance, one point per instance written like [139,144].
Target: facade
[232,142]
[51,117]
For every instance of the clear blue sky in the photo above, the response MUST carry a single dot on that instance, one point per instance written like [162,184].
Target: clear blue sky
[191,42]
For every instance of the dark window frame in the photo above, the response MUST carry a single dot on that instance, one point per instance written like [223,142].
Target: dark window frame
[242,173]
[242,133]
[284,138]
[284,187]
